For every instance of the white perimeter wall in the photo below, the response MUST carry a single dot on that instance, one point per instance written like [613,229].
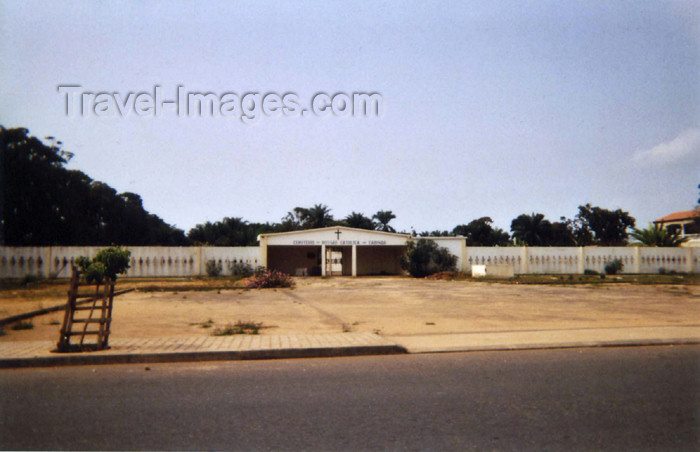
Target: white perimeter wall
[146,261]
[155,261]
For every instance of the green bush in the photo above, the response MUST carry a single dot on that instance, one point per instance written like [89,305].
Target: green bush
[588,271]
[214,268]
[107,263]
[267,279]
[241,269]
[613,267]
[425,257]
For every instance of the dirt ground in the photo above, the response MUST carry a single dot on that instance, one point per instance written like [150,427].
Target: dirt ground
[393,306]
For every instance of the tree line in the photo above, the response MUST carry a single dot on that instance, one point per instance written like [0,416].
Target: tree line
[44,203]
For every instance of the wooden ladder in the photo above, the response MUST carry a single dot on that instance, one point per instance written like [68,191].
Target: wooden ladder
[98,306]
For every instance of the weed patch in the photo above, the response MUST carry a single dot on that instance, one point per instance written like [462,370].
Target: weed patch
[268,279]
[239,328]
[23,325]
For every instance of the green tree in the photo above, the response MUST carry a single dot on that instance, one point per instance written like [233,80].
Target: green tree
[43,203]
[358,220]
[561,234]
[479,232]
[424,257]
[318,216]
[383,218]
[532,230]
[435,233]
[231,231]
[602,226]
[108,262]
[655,235]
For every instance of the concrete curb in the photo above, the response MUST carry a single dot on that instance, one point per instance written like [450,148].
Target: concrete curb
[546,346]
[91,358]
[164,350]
[554,338]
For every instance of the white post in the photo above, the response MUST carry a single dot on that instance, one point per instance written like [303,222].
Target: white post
[354,260]
[524,267]
[637,260]
[324,260]
[581,260]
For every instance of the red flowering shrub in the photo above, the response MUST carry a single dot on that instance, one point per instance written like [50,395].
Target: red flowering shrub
[265,279]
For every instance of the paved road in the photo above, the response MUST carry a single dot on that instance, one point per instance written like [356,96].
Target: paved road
[645,398]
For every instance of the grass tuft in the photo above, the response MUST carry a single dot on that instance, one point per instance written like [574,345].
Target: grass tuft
[23,325]
[239,328]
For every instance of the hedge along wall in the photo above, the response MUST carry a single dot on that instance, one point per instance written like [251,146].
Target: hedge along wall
[161,261]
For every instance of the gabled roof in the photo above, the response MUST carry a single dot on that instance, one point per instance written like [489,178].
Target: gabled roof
[334,228]
[679,216]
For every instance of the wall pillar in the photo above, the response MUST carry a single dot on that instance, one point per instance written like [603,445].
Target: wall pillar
[354,260]
[48,264]
[581,260]
[523,254]
[263,252]
[324,261]
[637,260]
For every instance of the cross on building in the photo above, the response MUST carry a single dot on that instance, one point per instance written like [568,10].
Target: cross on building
[337,234]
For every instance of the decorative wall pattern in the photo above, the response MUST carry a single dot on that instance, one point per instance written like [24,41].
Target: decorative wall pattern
[155,261]
[146,261]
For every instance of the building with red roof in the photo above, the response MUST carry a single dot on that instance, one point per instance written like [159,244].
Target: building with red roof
[687,222]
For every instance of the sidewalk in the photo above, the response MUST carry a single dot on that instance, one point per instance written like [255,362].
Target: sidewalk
[555,338]
[243,347]
[210,348]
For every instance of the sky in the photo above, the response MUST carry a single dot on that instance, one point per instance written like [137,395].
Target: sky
[492,108]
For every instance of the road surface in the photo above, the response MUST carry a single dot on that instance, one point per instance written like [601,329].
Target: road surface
[645,398]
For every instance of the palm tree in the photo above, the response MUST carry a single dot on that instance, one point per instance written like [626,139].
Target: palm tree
[318,216]
[655,235]
[383,218]
[532,230]
[358,220]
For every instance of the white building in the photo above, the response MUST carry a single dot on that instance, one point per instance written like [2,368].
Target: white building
[341,251]
[685,222]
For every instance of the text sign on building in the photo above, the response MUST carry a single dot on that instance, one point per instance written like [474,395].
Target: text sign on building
[338,242]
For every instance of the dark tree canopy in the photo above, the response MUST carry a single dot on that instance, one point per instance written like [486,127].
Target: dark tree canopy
[424,257]
[358,220]
[228,232]
[435,233]
[44,203]
[603,227]
[383,218]
[535,230]
[318,216]
[479,232]
[531,230]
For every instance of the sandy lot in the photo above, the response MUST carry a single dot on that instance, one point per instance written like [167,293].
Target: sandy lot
[386,305]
